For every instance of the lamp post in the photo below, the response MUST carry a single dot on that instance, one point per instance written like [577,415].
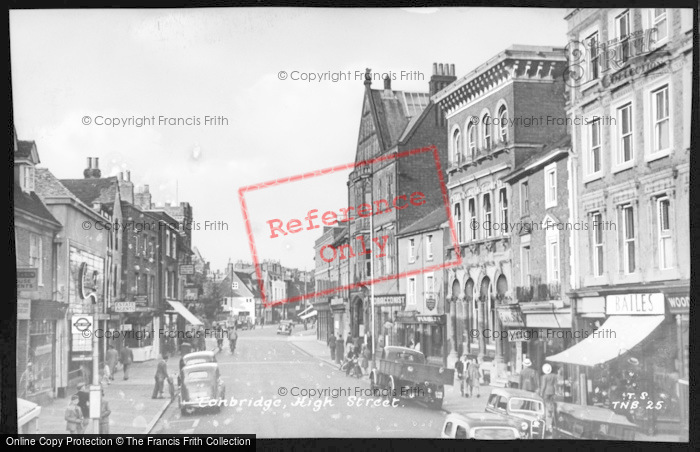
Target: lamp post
[95,388]
[368,177]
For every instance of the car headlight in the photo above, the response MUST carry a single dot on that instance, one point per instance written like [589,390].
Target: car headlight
[535,423]
[409,368]
[442,369]
[523,426]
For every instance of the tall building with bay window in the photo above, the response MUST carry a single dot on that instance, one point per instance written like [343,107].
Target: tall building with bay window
[497,118]
[631,266]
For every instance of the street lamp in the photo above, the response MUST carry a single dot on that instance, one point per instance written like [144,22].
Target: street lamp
[368,176]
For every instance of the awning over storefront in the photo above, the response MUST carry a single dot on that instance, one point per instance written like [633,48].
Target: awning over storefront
[617,336]
[308,314]
[184,312]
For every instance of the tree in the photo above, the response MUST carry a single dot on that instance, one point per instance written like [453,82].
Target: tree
[211,300]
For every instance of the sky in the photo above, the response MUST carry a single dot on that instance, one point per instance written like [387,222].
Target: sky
[74,70]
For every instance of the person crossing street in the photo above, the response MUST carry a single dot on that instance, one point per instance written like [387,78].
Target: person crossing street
[233,338]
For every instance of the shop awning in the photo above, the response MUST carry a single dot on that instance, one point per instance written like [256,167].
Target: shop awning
[26,411]
[616,336]
[184,312]
[307,315]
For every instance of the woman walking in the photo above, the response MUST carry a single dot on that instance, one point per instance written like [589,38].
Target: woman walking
[474,375]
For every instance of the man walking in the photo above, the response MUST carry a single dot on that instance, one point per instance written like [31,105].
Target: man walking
[104,415]
[474,377]
[127,357]
[112,358]
[461,368]
[160,377]
[339,349]
[528,377]
[331,344]
[233,338]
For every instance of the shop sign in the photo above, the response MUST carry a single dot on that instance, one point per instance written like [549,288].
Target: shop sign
[678,304]
[429,318]
[339,301]
[87,281]
[510,316]
[519,335]
[390,300]
[24,308]
[141,300]
[186,269]
[124,306]
[635,304]
[81,330]
[191,294]
[27,279]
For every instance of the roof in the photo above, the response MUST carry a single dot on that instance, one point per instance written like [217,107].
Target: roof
[200,366]
[31,203]
[89,191]
[48,186]
[431,221]
[516,393]
[395,110]
[482,418]
[24,150]
[539,159]
[250,283]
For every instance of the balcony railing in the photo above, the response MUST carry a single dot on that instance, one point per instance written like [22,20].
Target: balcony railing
[538,292]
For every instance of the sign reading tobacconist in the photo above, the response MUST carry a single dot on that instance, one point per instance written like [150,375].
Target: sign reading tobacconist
[635,304]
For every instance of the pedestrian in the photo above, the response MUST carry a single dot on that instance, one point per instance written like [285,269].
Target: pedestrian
[233,338]
[339,349]
[348,340]
[104,415]
[160,377]
[416,346]
[106,376]
[84,400]
[549,383]
[74,416]
[201,340]
[528,377]
[331,344]
[364,359]
[112,358]
[86,373]
[461,368]
[219,338]
[127,357]
[474,377]
[561,383]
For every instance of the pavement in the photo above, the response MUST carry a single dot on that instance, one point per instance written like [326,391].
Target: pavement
[453,402]
[133,409]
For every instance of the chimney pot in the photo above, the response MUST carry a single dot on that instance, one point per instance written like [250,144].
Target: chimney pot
[145,188]
[440,69]
[128,175]
[97,162]
[368,77]
[89,163]
[434,68]
[387,82]
[452,69]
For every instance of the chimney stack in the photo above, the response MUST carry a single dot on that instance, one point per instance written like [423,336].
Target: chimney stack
[143,198]
[368,77]
[387,83]
[92,172]
[443,75]
[128,175]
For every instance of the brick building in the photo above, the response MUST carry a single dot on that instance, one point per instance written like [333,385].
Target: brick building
[631,188]
[391,122]
[39,312]
[496,119]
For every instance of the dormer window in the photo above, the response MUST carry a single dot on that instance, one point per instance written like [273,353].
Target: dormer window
[26,178]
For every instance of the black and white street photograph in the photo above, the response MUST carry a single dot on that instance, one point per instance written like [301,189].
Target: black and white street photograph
[241,223]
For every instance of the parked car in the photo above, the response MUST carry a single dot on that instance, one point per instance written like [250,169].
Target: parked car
[404,372]
[199,357]
[202,387]
[285,327]
[570,421]
[481,425]
[523,406]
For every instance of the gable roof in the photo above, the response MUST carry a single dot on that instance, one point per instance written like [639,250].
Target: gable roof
[394,110]
[89,191]
[431,221]
[32,204]
[27,150]
[250,283]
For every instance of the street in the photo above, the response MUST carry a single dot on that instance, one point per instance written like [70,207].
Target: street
[266,365]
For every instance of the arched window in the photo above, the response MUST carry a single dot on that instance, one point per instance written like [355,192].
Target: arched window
[456,146]
[471,140]
[503,123]
[486,131]
[458,219]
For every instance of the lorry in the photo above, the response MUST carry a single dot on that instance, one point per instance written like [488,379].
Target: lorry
[405,373]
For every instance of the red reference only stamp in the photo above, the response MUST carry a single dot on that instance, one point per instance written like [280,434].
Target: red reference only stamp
[277,228]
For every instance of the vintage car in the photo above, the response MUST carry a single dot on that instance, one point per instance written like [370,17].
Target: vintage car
[523,406]
[199,357]
[202,387]
[570,421]
[404,373]
[285,327]
[480,425]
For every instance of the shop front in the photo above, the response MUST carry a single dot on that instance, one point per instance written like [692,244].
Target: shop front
[631,361]
[140,333]
[338,317]
[426,331]
[388,308]
[513,324]
[324,325]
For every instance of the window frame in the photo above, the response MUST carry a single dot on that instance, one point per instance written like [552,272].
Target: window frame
[653,20]
[503,122]
[524,188]
[503,211]
[550,191]
[456,142]
[37,244]
[486,138]
[592,57]
[411,289]
[619,135]
[593,120]
[473,218]
[525,274]
[628,267]
[487,214]
[472,139]
[411,250]
[651,153]
[457,212]
[429,247]
[623,40]
[597,246]
[664,234]
[553,257]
